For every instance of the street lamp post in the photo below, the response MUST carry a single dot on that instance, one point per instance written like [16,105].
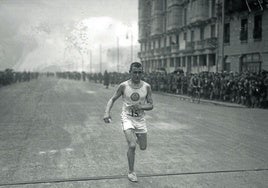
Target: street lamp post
[100,58]
[222,45]
[117,42]
[90,60]
[131,48]
[131,45]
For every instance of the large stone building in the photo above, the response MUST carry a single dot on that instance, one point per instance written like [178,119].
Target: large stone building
[186,34]
[245,36]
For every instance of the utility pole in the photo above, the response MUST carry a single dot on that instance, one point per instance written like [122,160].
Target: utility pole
[90,61]
[100,59]
[82,56]
[117,41]
[222,45]
[131,48]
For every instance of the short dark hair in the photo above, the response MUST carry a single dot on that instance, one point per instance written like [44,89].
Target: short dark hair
[135,64]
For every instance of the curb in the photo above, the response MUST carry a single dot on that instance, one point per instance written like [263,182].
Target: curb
[186,98]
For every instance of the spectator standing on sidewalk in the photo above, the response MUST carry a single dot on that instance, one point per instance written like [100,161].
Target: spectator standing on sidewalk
[106,79]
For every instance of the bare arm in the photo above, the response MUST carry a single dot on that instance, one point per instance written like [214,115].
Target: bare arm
[110,103]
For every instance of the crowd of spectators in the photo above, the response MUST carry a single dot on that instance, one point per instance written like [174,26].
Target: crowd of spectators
[248,89]
[8,76]
[113,77]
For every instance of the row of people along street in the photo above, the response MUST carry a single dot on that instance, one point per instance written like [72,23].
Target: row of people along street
[248,89]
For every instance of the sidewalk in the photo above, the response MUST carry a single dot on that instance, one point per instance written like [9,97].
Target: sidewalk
[203,101]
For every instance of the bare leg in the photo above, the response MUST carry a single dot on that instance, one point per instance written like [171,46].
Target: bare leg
[131,140]
[142,140]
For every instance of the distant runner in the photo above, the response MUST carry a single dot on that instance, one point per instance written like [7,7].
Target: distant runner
[137,98]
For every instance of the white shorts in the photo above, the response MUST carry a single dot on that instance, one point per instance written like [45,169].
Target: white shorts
[138,124]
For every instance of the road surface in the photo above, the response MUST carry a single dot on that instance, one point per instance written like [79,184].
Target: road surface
[52,135]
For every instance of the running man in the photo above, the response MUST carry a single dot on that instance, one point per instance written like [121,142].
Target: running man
[137,98]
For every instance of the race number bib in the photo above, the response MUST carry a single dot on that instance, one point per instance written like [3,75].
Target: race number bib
[134,112]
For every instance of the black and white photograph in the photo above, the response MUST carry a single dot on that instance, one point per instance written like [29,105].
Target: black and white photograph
[133,93]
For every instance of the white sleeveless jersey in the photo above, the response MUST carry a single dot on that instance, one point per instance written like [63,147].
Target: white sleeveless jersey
[132,96]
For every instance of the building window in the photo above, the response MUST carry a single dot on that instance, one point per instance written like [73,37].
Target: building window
[165,23]
[185,16]
[203,60]
[201,33]
[170,40]
[183,62]
[213,31]
[167,41]
[178,62]
[257,31]
[244,30]
[212,59]
[185,36]
[165,5]
[227,66]
[227,33]
[192,35]
[194,61]
[213,8]
[251,63]
[171,62]
[165,63]
[177,39]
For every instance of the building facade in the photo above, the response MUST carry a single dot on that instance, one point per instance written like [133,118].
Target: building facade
[187,35]
[178,34]
[245,38]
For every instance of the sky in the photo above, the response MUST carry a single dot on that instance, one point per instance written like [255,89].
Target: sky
[37,34]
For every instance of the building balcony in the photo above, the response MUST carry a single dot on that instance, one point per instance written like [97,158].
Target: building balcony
[206,44]
[140,55]
[150,53]
[164,50]
[175,48]
[145,54]
[189,46]
[168,50]
[157,51]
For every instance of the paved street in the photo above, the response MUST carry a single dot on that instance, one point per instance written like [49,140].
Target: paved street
[52,135]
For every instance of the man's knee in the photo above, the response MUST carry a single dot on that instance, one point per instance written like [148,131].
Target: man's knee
[143,147]
[132,145]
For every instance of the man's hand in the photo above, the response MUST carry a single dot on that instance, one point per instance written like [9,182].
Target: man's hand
[107,119]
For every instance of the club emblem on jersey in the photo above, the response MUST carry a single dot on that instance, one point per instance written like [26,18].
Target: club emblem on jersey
[135,96]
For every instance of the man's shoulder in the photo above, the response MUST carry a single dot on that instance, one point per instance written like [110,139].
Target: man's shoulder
[146,85]
[124,83]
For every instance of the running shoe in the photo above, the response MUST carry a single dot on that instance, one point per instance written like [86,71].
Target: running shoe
[132,177]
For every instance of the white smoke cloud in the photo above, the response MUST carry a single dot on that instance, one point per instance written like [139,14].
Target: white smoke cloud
[43,33]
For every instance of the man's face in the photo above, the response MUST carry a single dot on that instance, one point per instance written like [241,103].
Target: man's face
[136,74]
